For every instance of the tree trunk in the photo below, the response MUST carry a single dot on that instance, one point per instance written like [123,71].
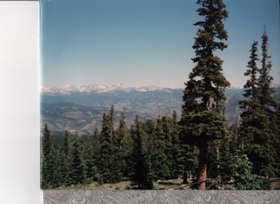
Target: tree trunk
[185,178]
[202,169]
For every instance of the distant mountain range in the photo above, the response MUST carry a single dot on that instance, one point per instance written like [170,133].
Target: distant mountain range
[98,88]
[81,107]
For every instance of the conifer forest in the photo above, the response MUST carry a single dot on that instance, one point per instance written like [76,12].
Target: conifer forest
[198,149]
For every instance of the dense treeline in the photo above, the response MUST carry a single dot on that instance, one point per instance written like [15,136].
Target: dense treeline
[151,150]
[199,145]
[143,153]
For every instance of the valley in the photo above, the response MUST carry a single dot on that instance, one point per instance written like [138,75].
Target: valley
[81,108]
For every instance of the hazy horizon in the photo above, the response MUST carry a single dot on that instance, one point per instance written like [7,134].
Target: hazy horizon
[124,86]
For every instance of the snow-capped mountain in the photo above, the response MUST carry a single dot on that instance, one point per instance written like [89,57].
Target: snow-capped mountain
[97,88]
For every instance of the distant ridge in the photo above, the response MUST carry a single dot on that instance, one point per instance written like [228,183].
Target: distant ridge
[101,88]
[98,88]
[81,107]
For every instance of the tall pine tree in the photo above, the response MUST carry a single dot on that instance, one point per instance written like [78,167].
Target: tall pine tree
[47,163]
[265,166]
[256,129]
[141,175]
[120,137]
[206,85]
[176,163]
[105,153]
[265,80]
[123,143]
[96,154]
[250,104]
[66,159]
[77,164]
[159,156]
[107,148]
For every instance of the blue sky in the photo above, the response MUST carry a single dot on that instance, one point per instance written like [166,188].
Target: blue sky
[145,42]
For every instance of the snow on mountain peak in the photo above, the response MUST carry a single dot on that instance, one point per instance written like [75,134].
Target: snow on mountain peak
[98,88]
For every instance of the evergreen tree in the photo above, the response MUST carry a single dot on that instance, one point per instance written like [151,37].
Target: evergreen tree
[229,150]
[212,160]
[47,162]
[87,157]
[58,162]
[264,82]
[149,127]
[77,163]
[65,154]
[95,133]
[109,172]
[47,142]
[96,154]
[243,178]
[206,84]
[188,163]
[276,139]
[122,123]
[105,148]
[66,144]
[250,104]
[258,109]
[124,147]
[118,158]
[159,157]
[265,165]
[236,169]
[176,160]
[141,175]
[173,152]
[111,116]
[252,83]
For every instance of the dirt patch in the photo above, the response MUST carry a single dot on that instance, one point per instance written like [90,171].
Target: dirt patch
[171,184]
[275,183]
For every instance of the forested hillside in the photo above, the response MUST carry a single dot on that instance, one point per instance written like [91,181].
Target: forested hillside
[149,150]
